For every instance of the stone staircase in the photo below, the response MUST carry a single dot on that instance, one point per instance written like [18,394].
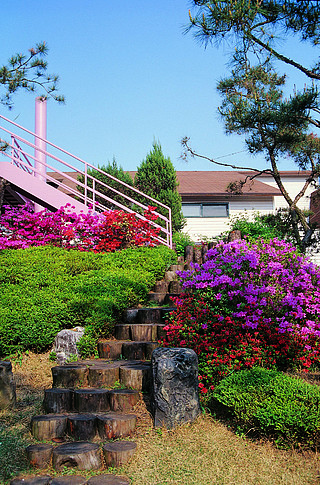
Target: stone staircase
[90,421]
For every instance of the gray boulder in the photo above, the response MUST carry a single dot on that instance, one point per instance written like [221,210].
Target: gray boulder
[65,344]
[7,386]
[175,397]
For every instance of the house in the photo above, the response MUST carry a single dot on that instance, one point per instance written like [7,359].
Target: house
[210,199]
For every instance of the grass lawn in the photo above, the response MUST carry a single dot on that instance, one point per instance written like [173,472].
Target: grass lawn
[203,453]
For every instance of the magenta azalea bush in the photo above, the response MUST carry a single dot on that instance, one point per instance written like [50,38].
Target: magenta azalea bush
[21,228]
[250,303]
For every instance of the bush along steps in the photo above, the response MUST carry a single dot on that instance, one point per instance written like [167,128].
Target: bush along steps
[90,420]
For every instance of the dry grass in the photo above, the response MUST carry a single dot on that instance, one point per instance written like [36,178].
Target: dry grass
[203,453]
[206,452]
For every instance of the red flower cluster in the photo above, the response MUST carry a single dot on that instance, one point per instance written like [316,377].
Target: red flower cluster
[121,230]
[224,345]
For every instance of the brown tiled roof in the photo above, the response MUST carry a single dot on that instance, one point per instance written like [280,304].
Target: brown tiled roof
[203,183]
[283,173]
[215,183]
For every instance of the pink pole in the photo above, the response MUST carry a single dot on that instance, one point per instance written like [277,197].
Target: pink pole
[41,131]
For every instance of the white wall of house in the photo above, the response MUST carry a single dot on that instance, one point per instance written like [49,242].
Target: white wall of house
[293,185]
[211,227]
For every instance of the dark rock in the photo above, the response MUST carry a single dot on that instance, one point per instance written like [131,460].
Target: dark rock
[7,386]
[69,480]
[175,397]
[65,344]
[108,480]
[45,480]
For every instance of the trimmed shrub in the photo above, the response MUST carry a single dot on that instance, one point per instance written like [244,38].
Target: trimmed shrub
[45,289]
[272,404]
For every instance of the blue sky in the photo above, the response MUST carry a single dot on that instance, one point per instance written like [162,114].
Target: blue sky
[129,76]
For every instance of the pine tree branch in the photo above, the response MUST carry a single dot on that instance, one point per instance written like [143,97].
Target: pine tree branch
[281,57]
[184,143]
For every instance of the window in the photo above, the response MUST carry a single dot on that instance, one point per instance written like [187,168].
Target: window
[205,210]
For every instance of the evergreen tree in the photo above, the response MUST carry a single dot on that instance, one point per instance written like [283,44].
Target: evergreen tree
[157,178]
[254,104]
[117,172]
[28,72]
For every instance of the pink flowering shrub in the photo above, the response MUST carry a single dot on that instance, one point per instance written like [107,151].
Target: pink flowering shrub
[249,304]
[21,228]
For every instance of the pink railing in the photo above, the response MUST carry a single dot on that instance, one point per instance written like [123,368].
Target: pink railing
[137,202]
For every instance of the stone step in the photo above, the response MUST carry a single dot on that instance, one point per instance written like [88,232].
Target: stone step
[90,400]
[136,376]
[161,286]
[138,350]
[81,455]
[99,373]
[175,287]
[157,297]
[104,479]
[79,427]
[147,315]
[118,453]
[138,332]
[110,349]
[176,267]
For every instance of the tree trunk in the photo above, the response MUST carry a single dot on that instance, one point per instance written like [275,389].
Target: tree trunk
[3,184]
[81,455]
[118,452]
[39,455]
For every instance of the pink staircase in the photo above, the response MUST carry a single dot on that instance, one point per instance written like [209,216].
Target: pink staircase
[27,161]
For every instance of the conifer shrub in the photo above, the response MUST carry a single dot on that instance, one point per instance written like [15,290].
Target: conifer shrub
[157,178]
[103,179]
[271,403]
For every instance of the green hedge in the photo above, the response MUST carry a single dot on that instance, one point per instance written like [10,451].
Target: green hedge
[43,290]
[284,408]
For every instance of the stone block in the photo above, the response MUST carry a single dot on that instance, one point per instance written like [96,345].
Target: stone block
[65,344]
[175,398]
[7,386]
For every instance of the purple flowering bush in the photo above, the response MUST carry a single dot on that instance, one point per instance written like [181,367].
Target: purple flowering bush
[248,304]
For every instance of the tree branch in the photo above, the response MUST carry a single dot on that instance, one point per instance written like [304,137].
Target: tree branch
[184,143]
[281,57]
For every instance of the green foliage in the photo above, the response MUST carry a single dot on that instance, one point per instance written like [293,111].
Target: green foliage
[156,177]
[273,404]
[281,222]
[117,172]
[259,28]
[45,289]
[256,228]
[28,72]
[181,240]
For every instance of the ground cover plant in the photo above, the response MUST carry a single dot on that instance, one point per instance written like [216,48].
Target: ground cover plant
[250,304]
[45,289]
